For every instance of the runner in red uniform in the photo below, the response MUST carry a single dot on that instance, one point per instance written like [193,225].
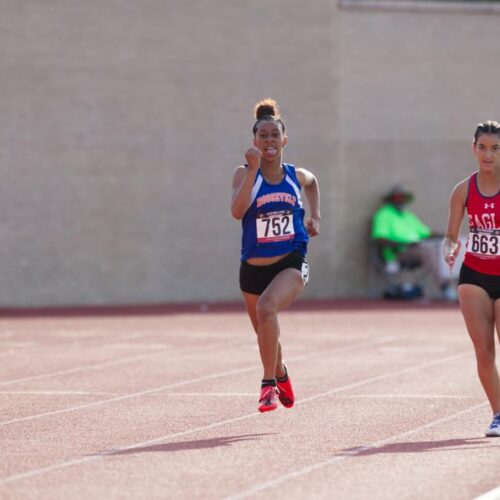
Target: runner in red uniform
[479,282]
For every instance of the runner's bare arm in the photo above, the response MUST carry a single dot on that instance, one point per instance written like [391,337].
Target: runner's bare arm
[243,179]
[311,189]
[451,243]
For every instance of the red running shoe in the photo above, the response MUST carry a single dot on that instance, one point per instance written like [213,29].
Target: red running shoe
[268,399]
[286,395]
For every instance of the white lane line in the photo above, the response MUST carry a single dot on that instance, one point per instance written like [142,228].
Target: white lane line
[95,338]
[10,352]
[130,359]
[436,349]
[490,495]
[177,384]
[136,345]
[78,461]
[406,396]
[58,393]
[214,394]
[100,456]
[107,364]
[239,395]
[94,404]
[79,369]
[345,455]
[387,375]
[101,337]
[18,344]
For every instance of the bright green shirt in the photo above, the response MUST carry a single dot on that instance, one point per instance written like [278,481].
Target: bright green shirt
[400,226]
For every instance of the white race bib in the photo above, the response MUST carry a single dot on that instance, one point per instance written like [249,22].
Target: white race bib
[275,226]
[485,244]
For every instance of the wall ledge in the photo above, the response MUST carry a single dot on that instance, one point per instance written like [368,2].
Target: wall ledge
[422,6]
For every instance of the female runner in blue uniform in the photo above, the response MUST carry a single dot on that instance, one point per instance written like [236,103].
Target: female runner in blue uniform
[479,281]
[274,271]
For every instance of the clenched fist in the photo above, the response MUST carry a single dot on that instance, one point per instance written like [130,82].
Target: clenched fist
[253,156]
[312,226]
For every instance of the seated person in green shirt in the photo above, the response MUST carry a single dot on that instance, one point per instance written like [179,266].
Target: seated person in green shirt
[404,241]
[397,232]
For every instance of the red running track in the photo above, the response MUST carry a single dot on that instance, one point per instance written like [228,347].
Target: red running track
[161,402]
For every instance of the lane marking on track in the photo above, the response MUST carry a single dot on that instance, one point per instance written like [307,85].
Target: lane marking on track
[406,396]
[490,495]
[58,393]
[79,461]
[396,348]
[116,362]
[19,344]
[215,394]
[134,346]
[130,359]
[79,369]
[353,396]
[162,388]
[96,338]
[345,455]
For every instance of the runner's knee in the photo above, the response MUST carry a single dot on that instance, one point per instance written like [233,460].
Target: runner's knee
[485,356]
[266,309]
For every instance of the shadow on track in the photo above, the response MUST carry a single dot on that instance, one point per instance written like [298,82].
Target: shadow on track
[186,445]
[421,446]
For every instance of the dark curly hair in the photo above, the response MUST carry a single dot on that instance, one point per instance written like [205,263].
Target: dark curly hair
[267,110]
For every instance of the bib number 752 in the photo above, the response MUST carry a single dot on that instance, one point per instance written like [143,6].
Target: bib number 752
[275,227]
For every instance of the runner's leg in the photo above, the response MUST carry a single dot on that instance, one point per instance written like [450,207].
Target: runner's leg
[479,315]
[281,292]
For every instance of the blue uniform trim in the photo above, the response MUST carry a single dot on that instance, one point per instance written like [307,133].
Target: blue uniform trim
[274,198]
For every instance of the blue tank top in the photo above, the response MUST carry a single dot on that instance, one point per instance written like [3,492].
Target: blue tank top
[274,222]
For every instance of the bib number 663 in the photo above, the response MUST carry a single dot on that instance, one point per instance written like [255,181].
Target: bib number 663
[485,244]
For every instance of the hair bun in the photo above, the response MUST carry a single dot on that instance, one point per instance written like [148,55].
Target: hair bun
[266,107]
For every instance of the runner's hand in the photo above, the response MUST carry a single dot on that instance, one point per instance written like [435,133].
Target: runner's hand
[253,156]
[451,250]
[312,226]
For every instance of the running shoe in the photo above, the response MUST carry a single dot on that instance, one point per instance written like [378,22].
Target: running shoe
[285,394]
[268,399]
[494,428]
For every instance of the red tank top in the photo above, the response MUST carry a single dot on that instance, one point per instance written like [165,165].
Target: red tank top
[483,246]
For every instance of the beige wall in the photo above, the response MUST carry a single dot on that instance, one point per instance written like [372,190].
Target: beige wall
[122,121]
[415,83]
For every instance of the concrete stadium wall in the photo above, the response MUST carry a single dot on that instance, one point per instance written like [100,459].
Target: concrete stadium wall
[416,80]
[122,122]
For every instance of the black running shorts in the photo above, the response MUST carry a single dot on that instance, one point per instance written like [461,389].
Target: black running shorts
[255,279]
[488,282]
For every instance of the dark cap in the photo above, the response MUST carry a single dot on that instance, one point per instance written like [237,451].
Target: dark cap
[398,194]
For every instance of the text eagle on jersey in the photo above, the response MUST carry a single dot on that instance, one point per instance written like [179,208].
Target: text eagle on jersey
[483,221]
